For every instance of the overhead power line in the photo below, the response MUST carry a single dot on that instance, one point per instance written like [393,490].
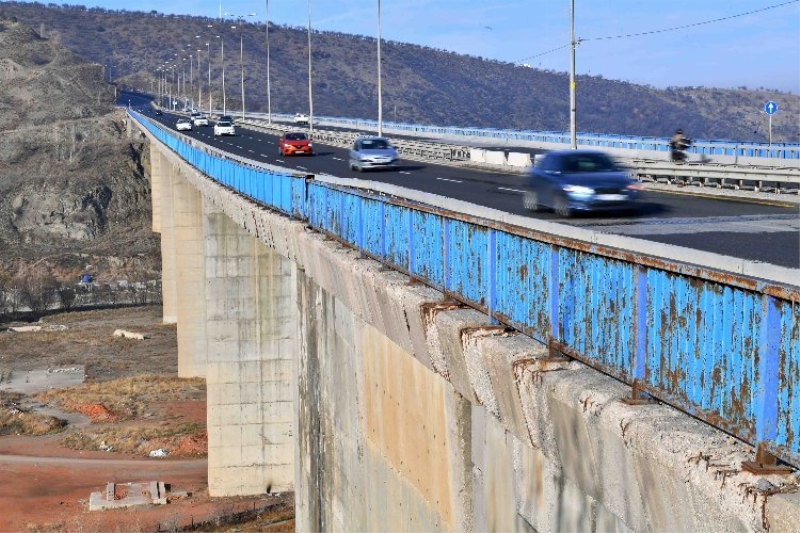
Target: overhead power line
[695,24]
[653,32]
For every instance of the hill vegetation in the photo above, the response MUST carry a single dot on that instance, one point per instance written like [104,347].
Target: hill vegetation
[420,84]
[73,194]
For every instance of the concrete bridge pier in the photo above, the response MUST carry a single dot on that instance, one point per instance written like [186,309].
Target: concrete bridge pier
[164,171]
[250,334]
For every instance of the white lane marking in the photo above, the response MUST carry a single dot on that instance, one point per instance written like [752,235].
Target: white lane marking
[280,161]
[338,159]
[263,155]
[407,172]
[509,189]
[250,151]
[445,179]
[301,168]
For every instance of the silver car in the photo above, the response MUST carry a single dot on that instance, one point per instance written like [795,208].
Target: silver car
[373,153]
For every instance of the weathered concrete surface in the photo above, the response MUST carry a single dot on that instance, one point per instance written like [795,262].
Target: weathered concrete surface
[250,322]
[413,414]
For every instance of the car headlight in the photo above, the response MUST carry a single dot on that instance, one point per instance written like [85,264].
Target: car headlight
[310,145]
[578,189]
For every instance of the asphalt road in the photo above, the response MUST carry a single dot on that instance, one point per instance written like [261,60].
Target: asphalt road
[755,230]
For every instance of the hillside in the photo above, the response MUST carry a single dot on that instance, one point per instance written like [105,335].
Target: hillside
[420,84]
[72,186]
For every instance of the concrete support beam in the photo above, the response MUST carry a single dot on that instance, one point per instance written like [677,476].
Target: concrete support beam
[168,266]
[189,243]
[158,166]
[250,330]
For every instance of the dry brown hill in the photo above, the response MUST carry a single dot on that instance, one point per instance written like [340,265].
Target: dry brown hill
[72,185]
[421,84]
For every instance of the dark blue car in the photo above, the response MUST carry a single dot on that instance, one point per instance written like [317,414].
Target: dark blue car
[570,181]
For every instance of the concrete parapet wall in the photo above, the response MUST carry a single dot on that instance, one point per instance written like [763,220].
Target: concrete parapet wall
[414,413]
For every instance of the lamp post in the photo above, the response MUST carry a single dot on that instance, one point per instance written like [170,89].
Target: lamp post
[310,94]
[269,92]
[199,83]
[241,47]
[208,56]
[573,136]
[222,52]
[191,79]
[380,96]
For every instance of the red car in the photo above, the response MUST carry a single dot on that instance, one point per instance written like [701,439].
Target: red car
[295,143]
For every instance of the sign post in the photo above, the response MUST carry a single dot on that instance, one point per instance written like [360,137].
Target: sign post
[770,108]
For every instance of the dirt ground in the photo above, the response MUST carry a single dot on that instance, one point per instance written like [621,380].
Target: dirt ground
[46,485]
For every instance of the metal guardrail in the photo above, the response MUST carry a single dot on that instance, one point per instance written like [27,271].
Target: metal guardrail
[700,147]
[779,180]
[418,150]
[720,346]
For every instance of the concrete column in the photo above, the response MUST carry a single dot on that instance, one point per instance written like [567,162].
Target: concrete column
[168,282]
[250,325]
[190,278]
[157,169]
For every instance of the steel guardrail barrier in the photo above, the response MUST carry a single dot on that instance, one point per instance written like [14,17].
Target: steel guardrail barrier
[721,346]
[779,180]
[700,147]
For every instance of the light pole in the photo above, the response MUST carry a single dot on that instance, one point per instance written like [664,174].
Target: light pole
[269,92]
[310,94]
[208,56]
[241,48]
[573,124]
[191,79]
[380,96]
[222,52]
[199,83]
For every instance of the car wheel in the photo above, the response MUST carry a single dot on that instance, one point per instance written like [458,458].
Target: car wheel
[530,200]
[561,207]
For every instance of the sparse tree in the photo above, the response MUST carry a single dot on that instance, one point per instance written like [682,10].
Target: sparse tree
[3,295]
[67,295]
[37,287]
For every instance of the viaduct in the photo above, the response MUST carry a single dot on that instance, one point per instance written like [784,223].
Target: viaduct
[387,404]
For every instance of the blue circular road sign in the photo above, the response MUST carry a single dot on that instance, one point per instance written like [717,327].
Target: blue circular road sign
[771,107]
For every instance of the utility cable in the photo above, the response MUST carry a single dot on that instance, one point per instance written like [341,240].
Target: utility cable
[653,32]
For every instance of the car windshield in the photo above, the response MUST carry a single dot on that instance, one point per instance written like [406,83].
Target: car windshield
[374,144]
[295,136]
[224,123]
[587,163]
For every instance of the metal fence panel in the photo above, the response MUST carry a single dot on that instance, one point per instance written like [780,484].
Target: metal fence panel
[467,261]
[597,309]
[703,346]
[523,278]
[787,436]
[427,247]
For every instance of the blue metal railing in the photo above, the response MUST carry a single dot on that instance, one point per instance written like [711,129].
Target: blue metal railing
[789,151]
[721,347]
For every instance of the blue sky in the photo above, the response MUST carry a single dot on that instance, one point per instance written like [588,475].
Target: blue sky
[757,50]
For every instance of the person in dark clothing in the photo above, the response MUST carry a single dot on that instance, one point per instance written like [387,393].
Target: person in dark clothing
[679,144]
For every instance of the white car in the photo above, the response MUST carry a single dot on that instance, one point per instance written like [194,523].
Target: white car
[199,120]
[300,118]
[183,124]
[224,127]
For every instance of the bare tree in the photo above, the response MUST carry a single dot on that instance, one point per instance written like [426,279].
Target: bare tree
[3,296]
[37,288]
[67,295]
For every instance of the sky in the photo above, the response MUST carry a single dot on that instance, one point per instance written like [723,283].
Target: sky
[630,40]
